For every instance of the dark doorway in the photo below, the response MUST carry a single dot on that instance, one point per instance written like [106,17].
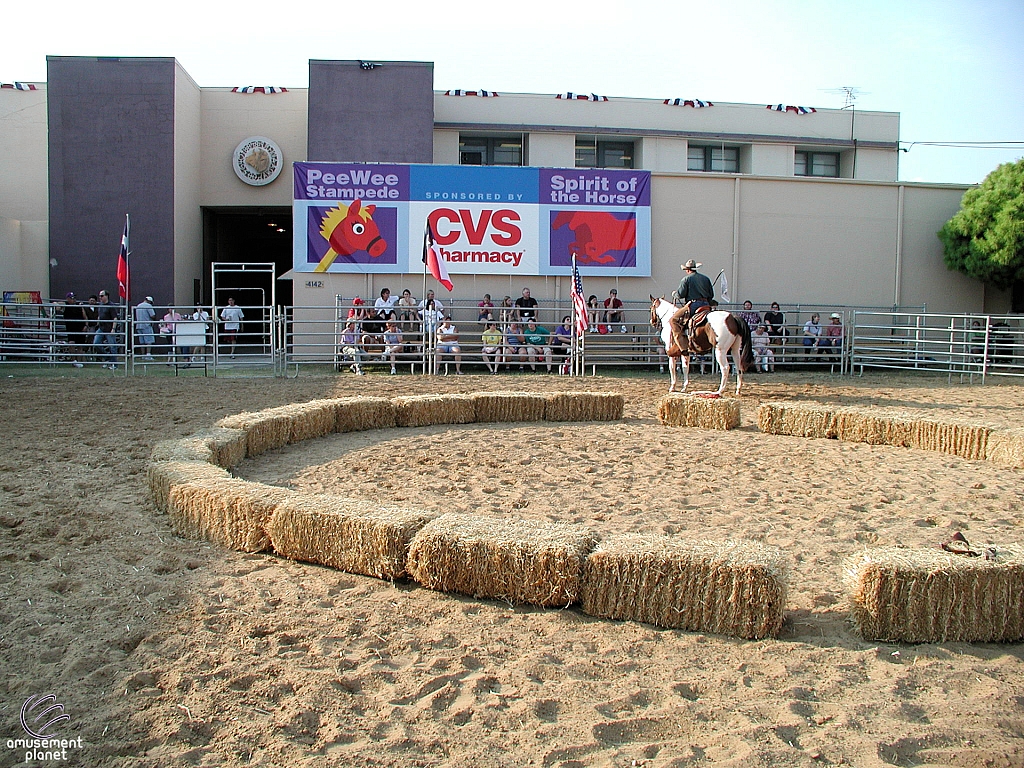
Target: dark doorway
[248,235]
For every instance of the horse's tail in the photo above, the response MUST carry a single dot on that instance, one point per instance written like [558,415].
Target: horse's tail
[746,347]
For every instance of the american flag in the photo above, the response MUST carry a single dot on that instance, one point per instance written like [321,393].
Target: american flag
[123,279]
[579,304]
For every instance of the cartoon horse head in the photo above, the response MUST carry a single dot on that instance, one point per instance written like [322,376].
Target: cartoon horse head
[350,229]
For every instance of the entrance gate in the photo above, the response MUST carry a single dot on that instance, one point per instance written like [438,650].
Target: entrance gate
[253,347]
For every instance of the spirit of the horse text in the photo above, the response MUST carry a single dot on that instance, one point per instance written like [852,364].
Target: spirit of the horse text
[595,189]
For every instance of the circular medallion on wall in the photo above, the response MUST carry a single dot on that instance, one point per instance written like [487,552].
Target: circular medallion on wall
[257,160]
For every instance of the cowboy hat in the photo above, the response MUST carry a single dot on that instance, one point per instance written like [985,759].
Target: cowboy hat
[691,264]
[836,316]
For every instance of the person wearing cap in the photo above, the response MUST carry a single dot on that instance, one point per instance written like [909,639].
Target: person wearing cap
[695,287]
[834,334]
[105,339]
[144,317]
[75,324]
[613,308]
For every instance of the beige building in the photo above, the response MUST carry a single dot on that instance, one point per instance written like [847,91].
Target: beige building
[792,205]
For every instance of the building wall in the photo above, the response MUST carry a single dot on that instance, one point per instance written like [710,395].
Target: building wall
[230,118]
[446,147]
[188,218]
[552,150]
[384,114]
[111,152]
[657,153]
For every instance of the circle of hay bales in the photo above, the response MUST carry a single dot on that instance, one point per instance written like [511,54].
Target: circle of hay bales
[546,564]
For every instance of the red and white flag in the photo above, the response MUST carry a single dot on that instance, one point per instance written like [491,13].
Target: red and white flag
[579,304]
[432,258]
[123,279]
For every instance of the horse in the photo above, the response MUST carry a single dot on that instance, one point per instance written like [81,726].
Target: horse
[350,229]
[722,332]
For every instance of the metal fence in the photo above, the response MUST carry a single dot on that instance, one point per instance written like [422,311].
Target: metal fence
[280,341]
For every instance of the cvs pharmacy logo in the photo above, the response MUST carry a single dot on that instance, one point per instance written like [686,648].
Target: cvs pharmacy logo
[499,227]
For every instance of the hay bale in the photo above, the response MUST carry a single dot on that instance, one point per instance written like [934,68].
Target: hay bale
[424,410]
[517,561]
[266,430]
[310,420]
[681,410]
[357,414]
[161,476]
[1006,448]
[735,588]
[230,512]
[350,535]
[799,419]
[223,447]
[508,406]
[932,596]
[583,406]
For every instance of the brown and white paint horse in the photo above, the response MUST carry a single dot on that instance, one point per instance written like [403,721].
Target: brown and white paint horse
[723,332]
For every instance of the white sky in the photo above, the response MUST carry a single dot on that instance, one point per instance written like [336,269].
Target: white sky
[954,70]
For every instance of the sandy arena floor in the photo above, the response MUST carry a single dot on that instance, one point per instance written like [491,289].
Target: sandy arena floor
[167,652]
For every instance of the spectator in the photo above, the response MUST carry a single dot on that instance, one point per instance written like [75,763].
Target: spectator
[514,344]
[593,312]
[408,315]
[144,317]
[508,312]
[764,358]
[448,344]
[491,350]
[105,339]
[432,314]
[561,343]
[385,304]
[812,333]
[232,316]
[834,335]
[358,310]
[350,347]
[393,345]
[526,307]
[485,309]
[776,322]
[169,330]
[437,305]
[753,318]
[91,313]
[537,346]
[75,324]
[613,308]
[199,352]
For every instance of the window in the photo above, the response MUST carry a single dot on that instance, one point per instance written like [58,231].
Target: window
[718,159]
[816,164]
[591,153]
[491,150]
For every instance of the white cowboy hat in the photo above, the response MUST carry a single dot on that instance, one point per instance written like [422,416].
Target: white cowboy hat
[836,316]
[691,264]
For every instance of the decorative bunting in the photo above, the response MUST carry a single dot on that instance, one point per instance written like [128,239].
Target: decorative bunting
[581,96]
[18,86]
[268,89]
[791,108]
[459,92]
[695,103]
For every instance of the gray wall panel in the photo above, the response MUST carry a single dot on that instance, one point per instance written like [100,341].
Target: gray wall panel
[111,152]
[384,114]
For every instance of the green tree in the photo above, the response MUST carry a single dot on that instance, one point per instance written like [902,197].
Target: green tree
[985,239]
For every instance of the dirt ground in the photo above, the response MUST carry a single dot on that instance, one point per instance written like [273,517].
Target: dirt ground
[167,652]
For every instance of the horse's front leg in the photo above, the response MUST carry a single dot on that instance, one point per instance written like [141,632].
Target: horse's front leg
[672,374]
[684,363]
[723,363]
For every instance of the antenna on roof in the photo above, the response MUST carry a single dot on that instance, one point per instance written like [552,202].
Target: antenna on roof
[848,92]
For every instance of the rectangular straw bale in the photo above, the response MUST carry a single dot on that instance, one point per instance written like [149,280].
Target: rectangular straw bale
[161,476]
[518,561]
[310,420]
[932,596]
[964,440]
[583,406]
[799,419]
[423,410]
[680,410]
[266,430]
[731,588]
[357,414]
[230,512]
[350,535]
[508,406]
[1006,448]
[223,447]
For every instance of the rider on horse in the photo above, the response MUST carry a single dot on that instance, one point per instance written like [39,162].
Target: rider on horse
[696,292]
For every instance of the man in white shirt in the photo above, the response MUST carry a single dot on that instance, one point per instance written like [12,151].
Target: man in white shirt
[385,305]
[232,317]
[144,317]
[448,343]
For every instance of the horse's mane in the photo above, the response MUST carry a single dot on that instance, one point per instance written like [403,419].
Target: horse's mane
[335,216]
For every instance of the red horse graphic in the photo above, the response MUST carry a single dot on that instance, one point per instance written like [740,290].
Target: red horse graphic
[597,233]
[350,229]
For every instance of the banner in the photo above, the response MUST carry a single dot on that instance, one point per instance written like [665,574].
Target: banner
[487,220]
